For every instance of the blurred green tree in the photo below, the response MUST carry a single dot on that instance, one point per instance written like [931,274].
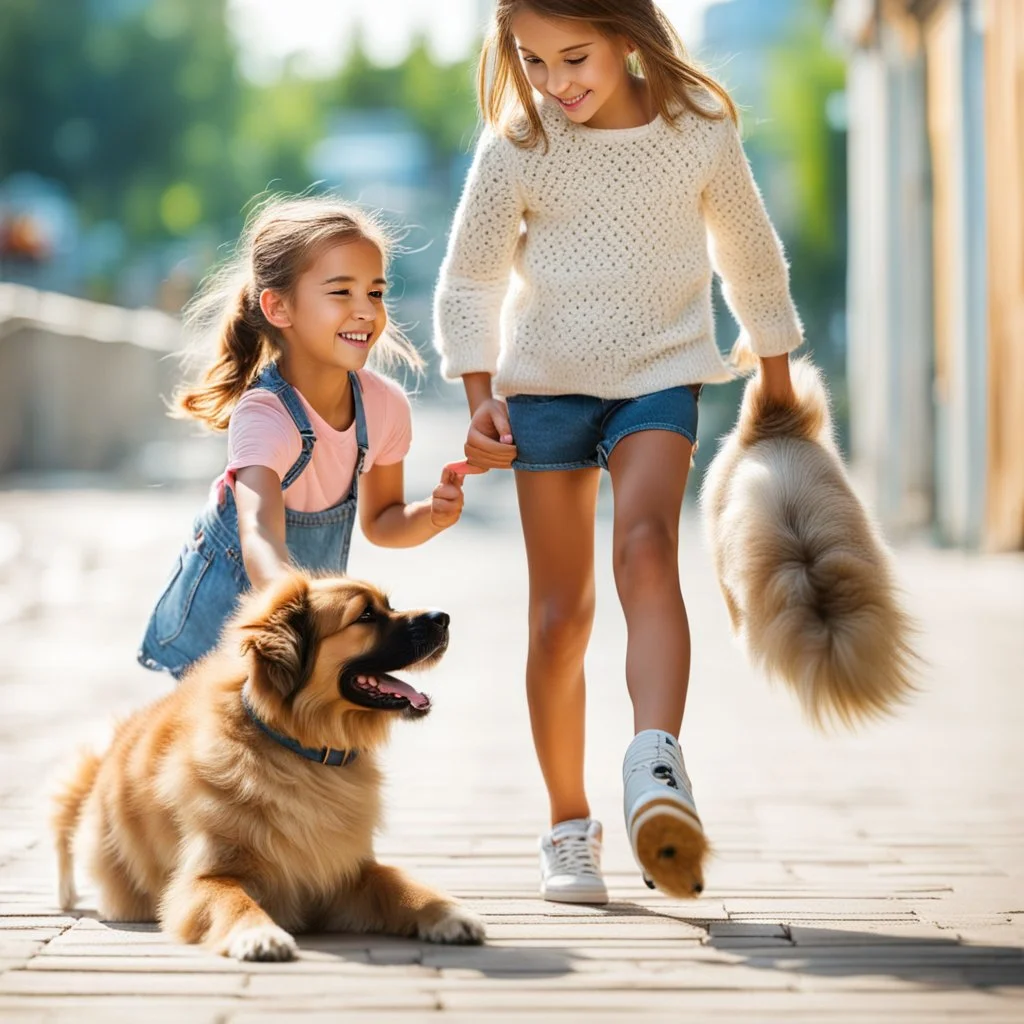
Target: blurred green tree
[140,111]
[131,106]
[439,98]
[806,102]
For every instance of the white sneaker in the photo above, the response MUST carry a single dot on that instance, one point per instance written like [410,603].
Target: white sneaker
[661,817]
[570,863]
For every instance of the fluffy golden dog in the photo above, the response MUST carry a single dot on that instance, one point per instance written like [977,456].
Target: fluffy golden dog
[805,573]
[242,806]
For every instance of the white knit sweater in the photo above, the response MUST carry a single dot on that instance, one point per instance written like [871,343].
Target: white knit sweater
[585,269]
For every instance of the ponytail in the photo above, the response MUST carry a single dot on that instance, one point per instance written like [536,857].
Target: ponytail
[242,351]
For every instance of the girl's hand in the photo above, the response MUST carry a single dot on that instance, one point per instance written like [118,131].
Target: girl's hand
[446,500]
[489,443]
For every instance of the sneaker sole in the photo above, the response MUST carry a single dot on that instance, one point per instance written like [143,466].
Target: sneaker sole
[586,896]
[671,847]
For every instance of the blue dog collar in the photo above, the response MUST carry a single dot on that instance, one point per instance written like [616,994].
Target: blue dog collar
[322,755]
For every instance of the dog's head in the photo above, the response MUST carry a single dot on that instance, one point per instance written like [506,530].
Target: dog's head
[322,653]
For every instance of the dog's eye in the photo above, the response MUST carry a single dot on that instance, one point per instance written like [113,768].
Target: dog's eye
[369,614]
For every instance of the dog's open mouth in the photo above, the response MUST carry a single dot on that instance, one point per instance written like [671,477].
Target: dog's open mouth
[381,690]
[417,643]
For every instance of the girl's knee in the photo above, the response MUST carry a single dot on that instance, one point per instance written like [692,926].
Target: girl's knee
[645,547]
[559,626]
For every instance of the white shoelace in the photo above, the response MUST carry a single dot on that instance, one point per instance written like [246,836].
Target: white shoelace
[573,854]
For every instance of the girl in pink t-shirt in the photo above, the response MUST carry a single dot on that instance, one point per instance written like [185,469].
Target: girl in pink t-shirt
[313,435]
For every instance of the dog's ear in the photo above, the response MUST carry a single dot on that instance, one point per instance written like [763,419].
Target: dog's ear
[280,635]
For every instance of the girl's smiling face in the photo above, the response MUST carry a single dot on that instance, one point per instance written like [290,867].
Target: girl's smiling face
[571,63]
[336,311]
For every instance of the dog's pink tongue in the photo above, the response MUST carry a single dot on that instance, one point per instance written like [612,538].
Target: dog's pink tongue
[389,684]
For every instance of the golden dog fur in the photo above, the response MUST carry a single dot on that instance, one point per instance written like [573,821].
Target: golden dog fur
[197,818]
[805,573]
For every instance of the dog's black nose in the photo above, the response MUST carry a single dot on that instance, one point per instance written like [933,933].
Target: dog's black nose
[438,619]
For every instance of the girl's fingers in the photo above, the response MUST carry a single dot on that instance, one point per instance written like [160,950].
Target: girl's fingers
[478,439]
[483,460]
[442,508]
[447,492]
[497,457]
[502,426]
[464,468]
[486,462]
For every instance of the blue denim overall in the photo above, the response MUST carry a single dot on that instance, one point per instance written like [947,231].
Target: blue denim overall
[210,576]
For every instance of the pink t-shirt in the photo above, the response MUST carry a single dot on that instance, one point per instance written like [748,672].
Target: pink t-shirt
[261,433]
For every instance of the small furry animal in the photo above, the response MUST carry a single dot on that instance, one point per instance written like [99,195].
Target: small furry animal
[806,576]
[242,806]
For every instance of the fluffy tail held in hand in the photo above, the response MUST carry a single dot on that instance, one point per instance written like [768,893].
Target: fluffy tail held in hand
[805,573]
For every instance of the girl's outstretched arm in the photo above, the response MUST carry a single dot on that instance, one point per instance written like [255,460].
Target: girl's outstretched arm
[261,524]
[390,522]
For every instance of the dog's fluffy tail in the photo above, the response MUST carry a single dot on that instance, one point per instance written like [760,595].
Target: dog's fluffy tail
[762,417]
[823,612]
[816,599]
[66,814]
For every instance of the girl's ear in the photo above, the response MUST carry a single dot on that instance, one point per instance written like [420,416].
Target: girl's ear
[275,308]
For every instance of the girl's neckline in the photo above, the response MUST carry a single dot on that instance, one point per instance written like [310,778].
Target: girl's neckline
[621,133]
[637,131]
[317,420]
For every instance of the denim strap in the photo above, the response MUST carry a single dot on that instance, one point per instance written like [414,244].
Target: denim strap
[271,380]
[362,441]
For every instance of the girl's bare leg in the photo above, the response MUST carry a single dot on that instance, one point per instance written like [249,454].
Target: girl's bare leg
[649,471]
[557,510]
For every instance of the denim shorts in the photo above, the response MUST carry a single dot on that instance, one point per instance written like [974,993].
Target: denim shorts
[580,431]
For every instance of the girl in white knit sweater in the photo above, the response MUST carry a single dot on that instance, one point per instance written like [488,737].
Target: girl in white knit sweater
[575,304]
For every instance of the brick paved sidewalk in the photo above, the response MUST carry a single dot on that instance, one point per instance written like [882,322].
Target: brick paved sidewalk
[875,876]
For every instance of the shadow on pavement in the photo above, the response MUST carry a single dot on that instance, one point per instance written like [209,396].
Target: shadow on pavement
[776,946]
[839,953]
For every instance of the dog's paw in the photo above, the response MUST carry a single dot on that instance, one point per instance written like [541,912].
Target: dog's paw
[67,895]
[264,942]
[455,926]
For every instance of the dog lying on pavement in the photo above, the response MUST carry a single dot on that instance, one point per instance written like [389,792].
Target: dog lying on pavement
[242,806]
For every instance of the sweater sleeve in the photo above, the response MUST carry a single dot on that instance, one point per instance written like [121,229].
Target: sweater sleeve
[476,271]
[747,253]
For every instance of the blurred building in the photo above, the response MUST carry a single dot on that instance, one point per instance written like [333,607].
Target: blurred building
[83,390]
[936,284]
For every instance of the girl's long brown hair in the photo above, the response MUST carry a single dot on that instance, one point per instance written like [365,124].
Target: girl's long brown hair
[282,237]
[673,81]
